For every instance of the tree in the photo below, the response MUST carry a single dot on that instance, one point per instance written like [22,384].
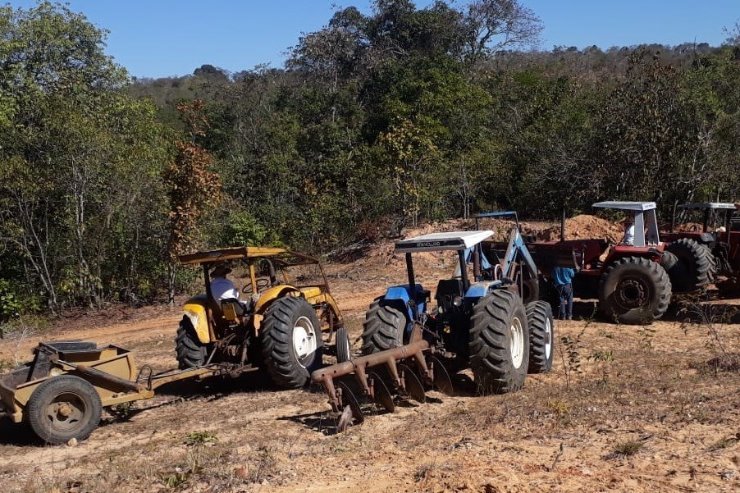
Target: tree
[68,135]
[192,188]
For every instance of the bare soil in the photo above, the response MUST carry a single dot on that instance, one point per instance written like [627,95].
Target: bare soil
[638,409]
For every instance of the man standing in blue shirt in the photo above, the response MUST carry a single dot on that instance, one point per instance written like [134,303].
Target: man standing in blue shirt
[562,277]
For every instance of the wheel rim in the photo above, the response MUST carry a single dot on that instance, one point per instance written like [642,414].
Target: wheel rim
[632,293]
[548,338]
[304,340]
[517,342]
[66,413]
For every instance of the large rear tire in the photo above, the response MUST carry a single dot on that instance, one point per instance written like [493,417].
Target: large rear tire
[541,336]
[634,291]
[292,346]
[694,269]
[499,343]
[383,328]
[191,353]
[62,408]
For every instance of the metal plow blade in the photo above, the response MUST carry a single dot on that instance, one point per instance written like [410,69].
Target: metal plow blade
[382,379]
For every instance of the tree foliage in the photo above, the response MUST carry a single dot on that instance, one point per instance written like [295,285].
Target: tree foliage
[377,121]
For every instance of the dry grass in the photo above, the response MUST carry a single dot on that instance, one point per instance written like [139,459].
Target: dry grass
[625,409]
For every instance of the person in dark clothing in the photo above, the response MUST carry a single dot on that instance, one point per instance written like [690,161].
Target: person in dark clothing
[562,277]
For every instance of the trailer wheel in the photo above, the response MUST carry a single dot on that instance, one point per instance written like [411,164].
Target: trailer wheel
[634,291]
[344,348]
[693,270]
[383,328]
[191,353]
[62,408]
[499,343]
[541,336]
[292,345]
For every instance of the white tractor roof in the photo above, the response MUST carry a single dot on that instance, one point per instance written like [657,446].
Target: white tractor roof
[453,240]
[709,205]
[625,206]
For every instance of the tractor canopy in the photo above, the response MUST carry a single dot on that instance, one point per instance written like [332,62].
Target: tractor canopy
[645,220]
[243,252]
[453,240]
[709,205]
[625,205]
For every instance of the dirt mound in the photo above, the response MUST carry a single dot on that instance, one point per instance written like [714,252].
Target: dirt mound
[584,226]
[688,228]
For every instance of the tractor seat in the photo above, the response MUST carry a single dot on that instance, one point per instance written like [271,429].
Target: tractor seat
[448,289]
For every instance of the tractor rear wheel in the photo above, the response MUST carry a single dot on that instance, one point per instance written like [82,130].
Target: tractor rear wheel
[62,408]
[693,270]
[383,328]
[634,291]
[292,346]
[191,353]
[541,336]
[499,343]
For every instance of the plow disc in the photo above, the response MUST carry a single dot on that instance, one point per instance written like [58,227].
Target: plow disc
[383,379]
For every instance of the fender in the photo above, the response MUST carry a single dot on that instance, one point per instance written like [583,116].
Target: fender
[401,295]
[195,311]
[480,289]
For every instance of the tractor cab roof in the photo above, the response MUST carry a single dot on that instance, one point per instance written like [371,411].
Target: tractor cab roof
[286,257]
[710,205]
[625,205]
[453,240]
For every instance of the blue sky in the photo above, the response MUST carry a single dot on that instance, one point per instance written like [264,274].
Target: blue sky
[155,38]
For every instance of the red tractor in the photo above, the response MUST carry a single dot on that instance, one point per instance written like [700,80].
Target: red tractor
[628,278]
[709,253]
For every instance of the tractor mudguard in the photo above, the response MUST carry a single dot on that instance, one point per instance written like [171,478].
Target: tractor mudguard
[479,289]
[195,310]
[271,294]
[399,297]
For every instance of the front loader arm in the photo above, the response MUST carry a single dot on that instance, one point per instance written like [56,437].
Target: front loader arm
[516,246]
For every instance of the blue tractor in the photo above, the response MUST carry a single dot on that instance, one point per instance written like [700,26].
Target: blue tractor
[478,318]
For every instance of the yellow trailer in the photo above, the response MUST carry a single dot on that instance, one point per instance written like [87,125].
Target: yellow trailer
[61,393]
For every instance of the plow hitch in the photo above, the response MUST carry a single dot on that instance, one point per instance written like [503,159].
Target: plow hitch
[382,378]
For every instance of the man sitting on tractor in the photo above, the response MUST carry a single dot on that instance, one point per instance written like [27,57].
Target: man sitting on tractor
[629,231]
[221,287]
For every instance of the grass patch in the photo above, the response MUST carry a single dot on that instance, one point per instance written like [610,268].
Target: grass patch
[200,438]
[627,449]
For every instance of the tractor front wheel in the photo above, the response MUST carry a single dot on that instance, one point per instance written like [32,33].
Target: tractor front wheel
[634,291]
[499,343]
[62,408]
[292,346]
[343,345]
[191,353]
[383,328]
[541,336]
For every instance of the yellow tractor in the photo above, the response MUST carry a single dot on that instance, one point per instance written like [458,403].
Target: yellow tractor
[279,320]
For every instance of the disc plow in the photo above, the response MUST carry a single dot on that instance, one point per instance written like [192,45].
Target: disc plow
[383,379]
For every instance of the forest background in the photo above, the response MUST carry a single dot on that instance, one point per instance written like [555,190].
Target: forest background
[376,122]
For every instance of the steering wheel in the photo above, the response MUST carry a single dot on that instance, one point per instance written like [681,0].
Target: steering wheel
[262,283]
